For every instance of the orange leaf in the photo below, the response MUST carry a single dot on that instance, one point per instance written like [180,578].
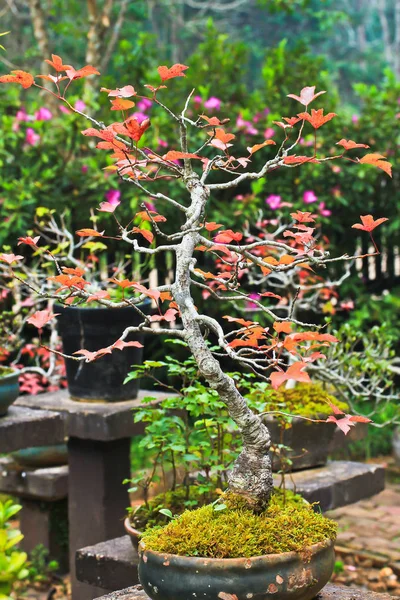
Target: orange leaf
[212,226]
[317,118]
[174,71]
[368,223]
[155,216]
[89,233]
[377,160]
[302,217]
[295,371]
[57,63]
[175,155]
[121,104]
[214,120]
[10,258]
[257,147]
[225,237]
[298,160]
[41,317]
[84,72]
[284,326]
[145,233]
[22,77]
[349,144]
[29,241]
[125,92]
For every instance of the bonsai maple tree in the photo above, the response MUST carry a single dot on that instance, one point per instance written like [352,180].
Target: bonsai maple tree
[278,353]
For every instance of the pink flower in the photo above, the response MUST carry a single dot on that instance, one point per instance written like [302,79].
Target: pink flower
[213,103]
[150,206]
[64,109]
[113,197]
[269,133]
[43,114]
[84,168]
[347,305]
[355,118]
[252,305]
[309,197]
[336,169]
[198,100]
[31,138]
[140,117]
[273,201]
[144,104]
[162,143]
[324,211]
[80,105]
[22,115]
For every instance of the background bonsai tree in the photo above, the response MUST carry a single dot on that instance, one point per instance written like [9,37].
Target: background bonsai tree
[276,353]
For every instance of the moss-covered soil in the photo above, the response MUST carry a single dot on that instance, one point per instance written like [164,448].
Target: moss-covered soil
[288,524]
[306,399]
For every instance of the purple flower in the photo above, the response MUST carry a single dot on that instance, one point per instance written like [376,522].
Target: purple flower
[213,103]
[162,143]
[84,168]
[113,197]
[269,133]
[309,197]
[273,201]
[150,206]
[80,105]
[198,100]
[43,114]
[144,104]
[31,138]
[252,305]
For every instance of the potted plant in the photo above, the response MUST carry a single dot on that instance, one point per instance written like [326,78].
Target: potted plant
[212,561]
[9,375]
[12,561]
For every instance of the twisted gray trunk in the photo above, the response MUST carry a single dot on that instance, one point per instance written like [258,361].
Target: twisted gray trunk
[251,475]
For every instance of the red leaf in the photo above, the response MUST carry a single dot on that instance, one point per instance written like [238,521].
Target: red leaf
[174,71]
[22,77]
[307,95]
[73,271]
[213,120]
[335,409]
[213,226]
[145,233]
[41,317]
[29,241]
[100,295]
[349,144]
[295,371]
[155,216]
[239,321]
[227,236]
[344,423]
[298,160]
[132,128]
[360,419]
[317,118]
[368,223]
[120,345]
[108,207]
[377,160]
[169,316]
[271,295]
[175,155]
[302,217]
[291,120]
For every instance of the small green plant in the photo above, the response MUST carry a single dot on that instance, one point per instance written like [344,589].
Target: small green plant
[12,561]
[40,568]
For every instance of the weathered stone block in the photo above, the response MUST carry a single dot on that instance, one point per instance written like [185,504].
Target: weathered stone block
[23,427]
[48,484]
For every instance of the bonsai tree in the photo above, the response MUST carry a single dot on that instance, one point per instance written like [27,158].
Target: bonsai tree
[199,165]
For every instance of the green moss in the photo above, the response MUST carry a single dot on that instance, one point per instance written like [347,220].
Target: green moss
[306,399]
[238,532]
[177,501]
[6,371]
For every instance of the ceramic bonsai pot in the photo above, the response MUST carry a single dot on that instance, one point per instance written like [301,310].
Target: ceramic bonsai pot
[309,442]
[9,388]
[92,329]
[287,576]
[41,457]
[133,533]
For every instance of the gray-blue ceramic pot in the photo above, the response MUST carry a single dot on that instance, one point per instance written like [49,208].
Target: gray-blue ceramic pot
[286,576]
[9,390]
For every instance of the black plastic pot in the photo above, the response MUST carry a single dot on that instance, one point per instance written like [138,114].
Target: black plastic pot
[309,442]
[287,576]
[92,329]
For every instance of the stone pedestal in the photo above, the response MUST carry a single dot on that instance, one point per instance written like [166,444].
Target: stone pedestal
[99,460]
[25,426]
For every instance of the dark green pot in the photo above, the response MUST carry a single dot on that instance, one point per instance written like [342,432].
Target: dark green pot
[288,576]
[9,390]
[42,456]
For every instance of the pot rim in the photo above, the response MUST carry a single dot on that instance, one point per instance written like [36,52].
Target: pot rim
[131,530]
[15,371]
[270,558]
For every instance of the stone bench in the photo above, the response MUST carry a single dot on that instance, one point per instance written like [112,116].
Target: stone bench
[43,496]
[330,592]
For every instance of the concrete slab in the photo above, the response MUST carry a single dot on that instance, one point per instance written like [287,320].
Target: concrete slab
[100,421]
[47,484]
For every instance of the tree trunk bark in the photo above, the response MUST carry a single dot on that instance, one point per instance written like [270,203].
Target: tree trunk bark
[251,475]
[99,22]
